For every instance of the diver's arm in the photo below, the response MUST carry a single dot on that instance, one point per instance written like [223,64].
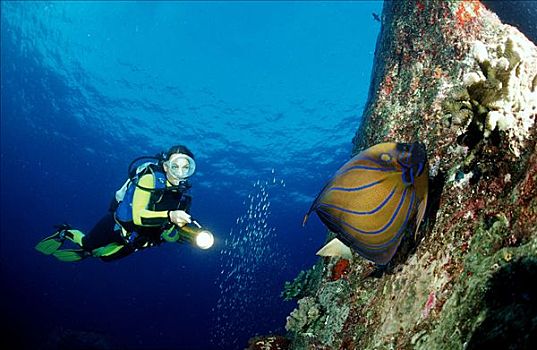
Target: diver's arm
[140,214]
[145,217]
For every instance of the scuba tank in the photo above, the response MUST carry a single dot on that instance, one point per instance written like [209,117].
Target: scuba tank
[135,170]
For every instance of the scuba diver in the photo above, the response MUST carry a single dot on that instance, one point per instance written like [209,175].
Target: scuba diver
[150,208]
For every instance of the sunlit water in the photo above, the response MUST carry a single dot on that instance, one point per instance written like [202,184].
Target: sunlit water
[249,86]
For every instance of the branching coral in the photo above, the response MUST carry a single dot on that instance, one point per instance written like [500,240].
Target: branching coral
[501,93]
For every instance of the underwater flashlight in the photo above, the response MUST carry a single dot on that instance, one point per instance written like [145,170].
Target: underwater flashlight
[204,239]
[192,233]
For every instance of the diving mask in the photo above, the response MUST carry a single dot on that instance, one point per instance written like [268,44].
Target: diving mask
[180,166]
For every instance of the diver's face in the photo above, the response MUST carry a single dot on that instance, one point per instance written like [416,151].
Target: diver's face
[177,168]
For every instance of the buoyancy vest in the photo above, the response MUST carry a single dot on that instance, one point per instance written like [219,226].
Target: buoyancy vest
[162,198]
[123,211]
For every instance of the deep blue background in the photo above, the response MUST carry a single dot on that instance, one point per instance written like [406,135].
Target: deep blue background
[259,91]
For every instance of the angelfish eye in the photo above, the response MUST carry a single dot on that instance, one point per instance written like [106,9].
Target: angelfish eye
[385,157]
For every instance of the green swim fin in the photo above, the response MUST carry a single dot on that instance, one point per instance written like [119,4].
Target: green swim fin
[50,244]
[70,255]
[107,250]
[74,236]
[53,242]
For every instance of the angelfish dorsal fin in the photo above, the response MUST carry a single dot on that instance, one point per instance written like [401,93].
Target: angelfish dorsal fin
[335,248]
[305,219]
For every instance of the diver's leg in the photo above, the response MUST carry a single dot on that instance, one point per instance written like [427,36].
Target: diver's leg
[102,234]
[105,240]
[119,254]
[100,240]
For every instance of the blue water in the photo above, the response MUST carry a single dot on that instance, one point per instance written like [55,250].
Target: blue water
[267,95]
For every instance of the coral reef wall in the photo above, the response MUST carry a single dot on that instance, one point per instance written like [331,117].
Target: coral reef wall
[451,75]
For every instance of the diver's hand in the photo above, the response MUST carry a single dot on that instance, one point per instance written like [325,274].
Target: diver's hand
[179,217]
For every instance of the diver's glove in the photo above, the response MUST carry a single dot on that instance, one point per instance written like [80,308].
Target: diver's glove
[179,217]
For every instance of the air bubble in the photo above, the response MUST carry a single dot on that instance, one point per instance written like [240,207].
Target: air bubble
[244,289]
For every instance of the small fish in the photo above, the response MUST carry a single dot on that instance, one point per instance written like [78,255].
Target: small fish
[372,198]
[376,17]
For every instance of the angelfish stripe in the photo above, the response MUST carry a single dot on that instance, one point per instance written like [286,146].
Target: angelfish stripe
[365,246]
[365,167]
[394,215]
[352,189]
[380,206]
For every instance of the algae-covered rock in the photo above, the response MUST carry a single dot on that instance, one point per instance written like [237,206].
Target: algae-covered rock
[320,318]
[304,283]
[333,298]
[451,75]
[305,315]
[273,342]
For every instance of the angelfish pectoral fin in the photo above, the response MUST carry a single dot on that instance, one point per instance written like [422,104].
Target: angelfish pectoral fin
[420,215]
[335,248]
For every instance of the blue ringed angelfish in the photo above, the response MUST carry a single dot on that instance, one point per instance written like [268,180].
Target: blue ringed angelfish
[372,198]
